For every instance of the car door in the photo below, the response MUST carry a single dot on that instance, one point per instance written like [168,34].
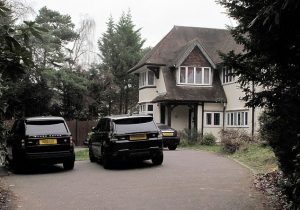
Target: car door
[96,139]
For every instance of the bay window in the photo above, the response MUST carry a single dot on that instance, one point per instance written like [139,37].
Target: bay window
[146,79]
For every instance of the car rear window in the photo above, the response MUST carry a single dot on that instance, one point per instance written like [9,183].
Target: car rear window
[134,125]
[46,127]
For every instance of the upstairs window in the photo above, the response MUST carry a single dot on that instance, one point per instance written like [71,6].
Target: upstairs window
[195,75]
[146,79]
[227,76]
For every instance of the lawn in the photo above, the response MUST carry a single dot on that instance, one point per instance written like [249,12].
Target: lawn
[82,154]
[258,159]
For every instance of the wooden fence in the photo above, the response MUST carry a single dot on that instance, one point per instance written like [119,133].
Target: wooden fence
[79,129]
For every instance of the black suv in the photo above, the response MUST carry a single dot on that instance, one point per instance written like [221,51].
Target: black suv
[126,137]
[40,139]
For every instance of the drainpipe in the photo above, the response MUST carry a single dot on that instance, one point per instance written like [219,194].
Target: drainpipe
[253,113]
[224,114]
[202,123]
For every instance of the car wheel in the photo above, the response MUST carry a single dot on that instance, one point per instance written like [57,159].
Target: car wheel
[91,155]
[69,164]
[105,160]
[172,147]
[158,159]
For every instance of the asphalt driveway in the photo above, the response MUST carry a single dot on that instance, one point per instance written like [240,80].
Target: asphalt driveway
[186,180]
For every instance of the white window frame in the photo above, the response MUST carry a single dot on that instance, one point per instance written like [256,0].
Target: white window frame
[212,119]
[145,77]
[238,119]
[225,78]
[194,71]
[143,108]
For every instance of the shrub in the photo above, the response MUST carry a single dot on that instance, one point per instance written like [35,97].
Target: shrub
[190,137]
[208,139]
[233,140]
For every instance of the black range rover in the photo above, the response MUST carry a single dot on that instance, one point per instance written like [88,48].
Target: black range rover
[126,137]
[40,139]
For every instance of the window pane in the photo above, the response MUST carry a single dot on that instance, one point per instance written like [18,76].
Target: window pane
[198,76]
[235,118]
[216,118]
[246,118]
[231,119]
[228,119]
[206,75]
[242,118]
[190,74]
[182,74]
[208,118]
[239,118]
[150,108]
[150,78]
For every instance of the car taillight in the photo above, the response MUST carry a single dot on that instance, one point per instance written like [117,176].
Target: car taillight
[71,141]
[175,133]
[23,143]
[159,135]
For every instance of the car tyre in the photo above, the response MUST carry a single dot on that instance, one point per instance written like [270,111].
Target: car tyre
[158,159]
[172,147]
[68,165]
[91,155]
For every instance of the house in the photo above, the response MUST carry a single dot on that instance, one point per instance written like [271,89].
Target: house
[182,84]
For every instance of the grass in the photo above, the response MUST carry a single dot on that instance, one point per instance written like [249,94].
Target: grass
[258,159]
[82,154]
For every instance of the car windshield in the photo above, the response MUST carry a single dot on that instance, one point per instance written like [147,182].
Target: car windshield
[45,127]
[134,125]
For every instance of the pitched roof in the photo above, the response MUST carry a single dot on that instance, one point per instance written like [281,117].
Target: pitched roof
[212,41]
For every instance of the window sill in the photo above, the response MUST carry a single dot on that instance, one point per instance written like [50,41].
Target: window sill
[195,85]
[236,126]
[144,87]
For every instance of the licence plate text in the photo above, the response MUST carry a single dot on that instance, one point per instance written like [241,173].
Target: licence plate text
[138,137]
[48,141]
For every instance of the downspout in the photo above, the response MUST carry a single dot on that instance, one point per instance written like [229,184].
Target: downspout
[253,113]
[202,120]
[224,115]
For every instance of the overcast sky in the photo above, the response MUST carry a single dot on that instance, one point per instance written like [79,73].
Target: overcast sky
[155,17]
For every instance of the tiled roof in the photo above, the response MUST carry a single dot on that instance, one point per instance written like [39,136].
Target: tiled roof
[170,47]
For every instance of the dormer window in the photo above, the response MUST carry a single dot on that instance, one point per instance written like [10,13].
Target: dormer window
[146,79]
[195,75]
[227,76]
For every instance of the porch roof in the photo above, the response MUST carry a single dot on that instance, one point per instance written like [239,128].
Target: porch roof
[179,94]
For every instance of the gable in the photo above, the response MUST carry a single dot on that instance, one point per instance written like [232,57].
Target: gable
[196,58]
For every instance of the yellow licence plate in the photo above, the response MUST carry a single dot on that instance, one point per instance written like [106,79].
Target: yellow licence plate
[48,141]
[138,137]
[168,133]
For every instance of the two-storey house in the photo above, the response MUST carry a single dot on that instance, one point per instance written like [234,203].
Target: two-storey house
[182,84]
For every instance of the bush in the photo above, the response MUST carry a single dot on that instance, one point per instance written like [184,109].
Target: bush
[208,139]
[233,140]
[190,137]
